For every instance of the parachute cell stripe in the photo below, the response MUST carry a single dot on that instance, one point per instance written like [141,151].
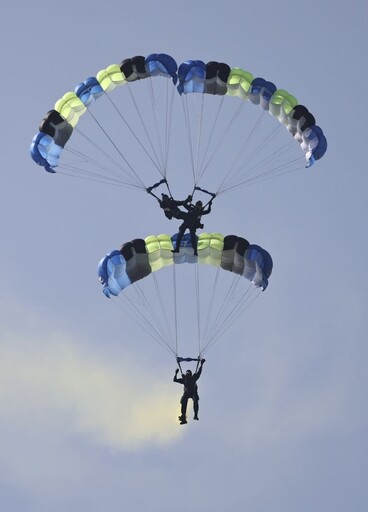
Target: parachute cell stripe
[192,76]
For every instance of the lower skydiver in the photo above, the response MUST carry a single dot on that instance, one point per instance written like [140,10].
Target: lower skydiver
[189,381]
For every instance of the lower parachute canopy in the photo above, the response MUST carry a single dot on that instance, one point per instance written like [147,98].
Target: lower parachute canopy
[139,258]
[194,303]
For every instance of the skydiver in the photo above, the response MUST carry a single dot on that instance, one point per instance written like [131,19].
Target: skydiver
[192,221]
[170,206]
[189,382]
[168,203]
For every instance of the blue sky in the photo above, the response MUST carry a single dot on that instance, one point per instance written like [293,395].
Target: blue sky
[87,404]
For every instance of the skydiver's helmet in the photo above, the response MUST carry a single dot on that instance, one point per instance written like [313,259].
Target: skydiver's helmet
[165,197]
[188,373]
[199,204]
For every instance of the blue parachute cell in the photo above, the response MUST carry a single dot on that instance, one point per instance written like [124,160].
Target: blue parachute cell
[112,273]
[44,151]
[261,92]
[161,64]
[192,75]
[89,90]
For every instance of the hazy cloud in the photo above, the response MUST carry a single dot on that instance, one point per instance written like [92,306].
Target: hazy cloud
[55,381]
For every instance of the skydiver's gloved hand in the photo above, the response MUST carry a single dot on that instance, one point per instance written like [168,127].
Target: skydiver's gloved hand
[189,198]
[176,371]
[202,361]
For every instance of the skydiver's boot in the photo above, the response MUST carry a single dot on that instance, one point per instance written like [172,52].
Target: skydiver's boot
[196,417]
[183,415]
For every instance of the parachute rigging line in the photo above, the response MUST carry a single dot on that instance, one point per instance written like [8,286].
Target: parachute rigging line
[133,312]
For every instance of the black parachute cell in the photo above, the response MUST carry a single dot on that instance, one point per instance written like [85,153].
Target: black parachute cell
[134,68]
[57,127]
[217,74]
[303,117]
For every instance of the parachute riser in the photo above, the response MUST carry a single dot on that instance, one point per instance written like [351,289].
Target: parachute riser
[188,359]
[212,194]
[161,182]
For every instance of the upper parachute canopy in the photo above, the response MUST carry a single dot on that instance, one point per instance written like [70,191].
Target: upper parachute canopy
[139,258]
[192,76]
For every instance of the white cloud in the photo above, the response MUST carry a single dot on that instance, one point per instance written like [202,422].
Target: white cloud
[59,384]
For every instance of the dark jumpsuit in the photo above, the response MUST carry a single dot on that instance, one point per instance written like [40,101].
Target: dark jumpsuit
[192,221]
[190,391]
[170,207]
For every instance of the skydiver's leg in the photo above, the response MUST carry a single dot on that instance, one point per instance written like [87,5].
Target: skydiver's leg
[196,407]
[184,403]
[182,229]
[193,240]
[178,214]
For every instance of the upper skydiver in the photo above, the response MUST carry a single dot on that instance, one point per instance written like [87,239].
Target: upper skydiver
[170,206]
[168,203]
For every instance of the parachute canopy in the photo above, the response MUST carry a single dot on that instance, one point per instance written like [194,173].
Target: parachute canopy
[193,76]
[182,300]
[139,258]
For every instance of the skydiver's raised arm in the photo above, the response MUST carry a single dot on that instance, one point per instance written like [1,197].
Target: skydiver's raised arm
[208,209]
[199,371]
[175,379]
[182,203]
